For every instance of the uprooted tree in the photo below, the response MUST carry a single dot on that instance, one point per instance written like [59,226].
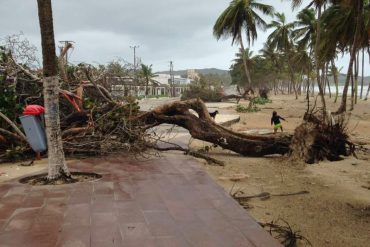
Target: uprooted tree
[98,124]
[201,126]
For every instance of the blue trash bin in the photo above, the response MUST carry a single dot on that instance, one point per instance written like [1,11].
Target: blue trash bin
[35,132]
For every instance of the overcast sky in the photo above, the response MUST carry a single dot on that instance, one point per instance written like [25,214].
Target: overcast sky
[177,30]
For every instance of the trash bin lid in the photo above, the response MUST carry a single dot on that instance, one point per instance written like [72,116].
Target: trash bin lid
[34,110]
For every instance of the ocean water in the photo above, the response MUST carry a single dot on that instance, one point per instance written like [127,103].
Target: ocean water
[340,89]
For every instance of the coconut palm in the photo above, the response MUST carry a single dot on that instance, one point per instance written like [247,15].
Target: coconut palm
[147,74]
[305,29]
[305,36]
[237,68]
[318,4]
[281,37]
[242,16]
[57,164]
[281,40]
[347,19]
[275,58]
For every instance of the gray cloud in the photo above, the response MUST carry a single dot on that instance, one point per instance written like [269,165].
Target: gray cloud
[178,30]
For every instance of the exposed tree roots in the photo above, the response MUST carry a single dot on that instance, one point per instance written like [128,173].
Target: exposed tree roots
[317,139]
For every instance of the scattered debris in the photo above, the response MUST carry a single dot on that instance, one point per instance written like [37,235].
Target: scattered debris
[28,164]
[235,177]
[284,233]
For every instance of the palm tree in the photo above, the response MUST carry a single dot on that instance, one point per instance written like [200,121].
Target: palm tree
[242,16]
[362,72]
[318,5]
[305,32]
[274,58]
[349,35]
[281,40]
[238,76]
[305,36]
[57,164]
[147,73]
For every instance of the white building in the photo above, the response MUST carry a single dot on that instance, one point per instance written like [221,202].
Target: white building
[166,78]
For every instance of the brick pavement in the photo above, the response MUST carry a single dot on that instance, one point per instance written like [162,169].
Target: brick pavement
[168,201]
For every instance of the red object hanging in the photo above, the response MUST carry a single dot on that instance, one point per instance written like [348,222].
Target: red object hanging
[33,110]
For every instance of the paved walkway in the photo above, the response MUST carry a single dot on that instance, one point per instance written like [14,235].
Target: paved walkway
[169,201]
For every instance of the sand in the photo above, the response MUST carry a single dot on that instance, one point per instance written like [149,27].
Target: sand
[336,212]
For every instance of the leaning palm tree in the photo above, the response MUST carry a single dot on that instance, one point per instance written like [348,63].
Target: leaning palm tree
[305,36]
[57,164]
[242,16]
[318,4]
[345,26]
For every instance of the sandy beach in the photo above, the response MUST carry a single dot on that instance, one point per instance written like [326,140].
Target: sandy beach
[336,211]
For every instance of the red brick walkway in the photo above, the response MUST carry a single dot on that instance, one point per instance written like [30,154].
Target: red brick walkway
[169,201]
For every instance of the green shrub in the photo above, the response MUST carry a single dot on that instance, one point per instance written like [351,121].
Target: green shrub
[250,108]
[261,101]
[205,94]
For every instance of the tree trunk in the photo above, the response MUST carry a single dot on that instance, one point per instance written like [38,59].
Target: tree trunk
[327,79]
[357,64]
[319,83]
[368,91]
[203,127]
[57,164]
[62,62]
[308,91]
[353,49]
[146,88]
[56,161]
[362,72]
[247,73]
[292,81]
[335,76]
[313,87]
[352,92]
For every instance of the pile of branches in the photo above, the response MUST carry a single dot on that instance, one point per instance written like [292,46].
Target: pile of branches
[94,124]
[104,129]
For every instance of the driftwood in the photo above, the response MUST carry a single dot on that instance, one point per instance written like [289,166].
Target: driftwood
[266,195]
[202,127]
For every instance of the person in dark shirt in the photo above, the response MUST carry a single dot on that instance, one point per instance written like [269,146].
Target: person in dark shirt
[276,121]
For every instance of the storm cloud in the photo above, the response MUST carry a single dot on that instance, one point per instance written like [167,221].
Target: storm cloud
[177,30]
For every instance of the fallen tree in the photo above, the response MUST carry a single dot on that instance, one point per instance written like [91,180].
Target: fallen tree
[202,127]
[98,124]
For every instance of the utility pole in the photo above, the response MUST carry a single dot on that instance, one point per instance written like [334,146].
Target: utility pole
[134,48]
[172,79]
